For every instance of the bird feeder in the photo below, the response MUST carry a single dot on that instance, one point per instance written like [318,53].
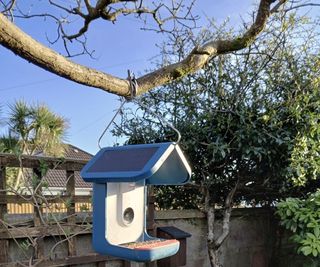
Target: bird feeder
[120,176]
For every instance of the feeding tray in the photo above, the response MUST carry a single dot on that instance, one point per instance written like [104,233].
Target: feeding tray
[120,176]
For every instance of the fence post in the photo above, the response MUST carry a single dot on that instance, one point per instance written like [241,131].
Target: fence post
[3,206]
[37,212]
[72,250]
[4,244]
[37,201]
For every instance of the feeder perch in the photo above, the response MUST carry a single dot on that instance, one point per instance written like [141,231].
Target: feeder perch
[120,176]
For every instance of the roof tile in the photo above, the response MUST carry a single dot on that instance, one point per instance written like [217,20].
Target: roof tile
[57,178]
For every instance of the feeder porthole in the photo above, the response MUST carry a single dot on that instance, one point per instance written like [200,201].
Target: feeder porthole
[128,216]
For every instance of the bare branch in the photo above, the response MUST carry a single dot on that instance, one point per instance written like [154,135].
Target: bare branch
[281,3]
[71,11]
[20,43]
[201,55]
[26,47]
[9,6]
[278,6]
[302,5]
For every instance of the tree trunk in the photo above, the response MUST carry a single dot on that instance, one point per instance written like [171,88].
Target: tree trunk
[20,170]
[214,242]
[19,176]
[212,249]
[214,257]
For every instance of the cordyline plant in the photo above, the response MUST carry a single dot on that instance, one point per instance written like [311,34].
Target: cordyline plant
[32,129]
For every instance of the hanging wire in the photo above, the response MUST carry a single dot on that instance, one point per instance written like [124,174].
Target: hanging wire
[112,120]
[133,92]
[162,120]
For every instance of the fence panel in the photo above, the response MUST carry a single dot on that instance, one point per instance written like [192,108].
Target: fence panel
[4,244]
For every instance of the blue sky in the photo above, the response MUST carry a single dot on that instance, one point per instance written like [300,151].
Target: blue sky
[118,47]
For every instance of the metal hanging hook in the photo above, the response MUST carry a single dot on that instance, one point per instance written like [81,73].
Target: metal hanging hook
[162,120]
[133,85]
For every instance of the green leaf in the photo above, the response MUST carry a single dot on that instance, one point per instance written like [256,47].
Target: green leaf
[310,225]
[311,236]
[223,153]
[289,212]
[317,232]
[306,250]
[315,252]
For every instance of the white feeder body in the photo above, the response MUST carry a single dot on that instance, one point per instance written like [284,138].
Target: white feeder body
[125,210]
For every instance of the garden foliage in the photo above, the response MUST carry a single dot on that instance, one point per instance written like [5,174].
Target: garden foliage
[302,218]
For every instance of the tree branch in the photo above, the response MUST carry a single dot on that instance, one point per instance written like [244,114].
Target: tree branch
[26,47]
[23,45]
[9,6]
[226,217]
[201,55]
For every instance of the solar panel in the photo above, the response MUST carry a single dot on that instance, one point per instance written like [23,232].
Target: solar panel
[123,160]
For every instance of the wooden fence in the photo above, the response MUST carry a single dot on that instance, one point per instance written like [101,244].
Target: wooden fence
[22,206]
[40,227]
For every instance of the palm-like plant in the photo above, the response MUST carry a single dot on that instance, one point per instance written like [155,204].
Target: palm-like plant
[37,129]
[9,144]
[34,130]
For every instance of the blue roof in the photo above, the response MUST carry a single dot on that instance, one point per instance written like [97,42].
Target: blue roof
[161,163]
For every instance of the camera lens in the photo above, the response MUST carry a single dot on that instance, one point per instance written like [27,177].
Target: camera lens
[128,215]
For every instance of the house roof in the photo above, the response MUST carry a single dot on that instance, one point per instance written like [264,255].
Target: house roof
[57,178]
[74,152]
